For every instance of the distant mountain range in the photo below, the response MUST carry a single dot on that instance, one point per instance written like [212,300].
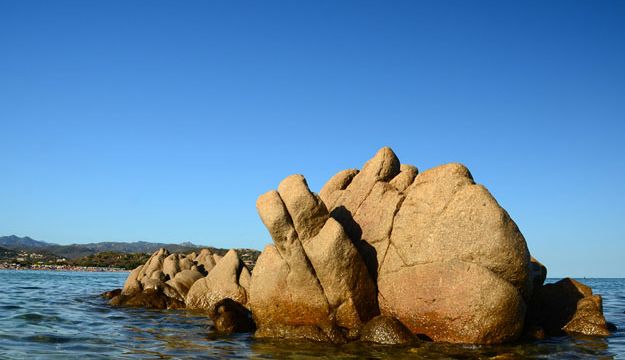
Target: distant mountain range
[13,242]
[16,243]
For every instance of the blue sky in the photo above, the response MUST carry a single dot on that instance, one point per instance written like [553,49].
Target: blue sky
[164,120]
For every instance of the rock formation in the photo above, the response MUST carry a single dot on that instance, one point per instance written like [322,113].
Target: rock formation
[162,282]
[448,261]
[312,283]
[568,306]
[229,278]
[204,281]
[385,254]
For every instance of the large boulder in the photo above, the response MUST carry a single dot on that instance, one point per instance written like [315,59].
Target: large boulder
[453,301]
[437,243]
[312,283]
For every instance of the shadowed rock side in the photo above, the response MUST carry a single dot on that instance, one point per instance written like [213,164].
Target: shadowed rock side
[312,283]
[566,306]
[230,316]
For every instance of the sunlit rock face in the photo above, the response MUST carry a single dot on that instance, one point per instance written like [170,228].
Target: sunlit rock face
[229,278]
[312,282]
[444,258]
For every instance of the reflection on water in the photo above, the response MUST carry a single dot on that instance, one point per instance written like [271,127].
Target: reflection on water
[60,315]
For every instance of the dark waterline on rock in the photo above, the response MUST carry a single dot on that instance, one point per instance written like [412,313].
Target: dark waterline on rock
[60,315]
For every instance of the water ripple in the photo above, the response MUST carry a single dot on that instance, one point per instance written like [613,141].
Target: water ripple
[60,316]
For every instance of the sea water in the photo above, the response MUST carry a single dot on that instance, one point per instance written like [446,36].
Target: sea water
[60,315]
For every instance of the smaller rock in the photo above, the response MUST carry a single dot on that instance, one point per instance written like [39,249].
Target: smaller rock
[149,298]
[588,318]
[570,306]
[611,327]
[222,282]
[405,178]
[183,280]
[534,332]
[230,317]
[111,294]
[386,330]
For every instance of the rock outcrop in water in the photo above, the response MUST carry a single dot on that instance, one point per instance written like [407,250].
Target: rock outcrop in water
[204,281]
[448,261]
[567,306]
[312,283]
[385,254]
[162,282]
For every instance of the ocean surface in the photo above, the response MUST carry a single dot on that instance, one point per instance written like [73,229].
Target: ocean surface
[60,315]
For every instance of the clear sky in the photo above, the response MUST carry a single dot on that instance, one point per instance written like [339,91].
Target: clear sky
[164,120]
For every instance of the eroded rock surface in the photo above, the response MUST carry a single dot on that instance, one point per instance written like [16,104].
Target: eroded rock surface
[312,283]
[435,241]
[229,278]
[162,282]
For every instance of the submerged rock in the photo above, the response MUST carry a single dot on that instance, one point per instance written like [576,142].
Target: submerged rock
[151,298]
[111,294]
[386,330]
[230,316]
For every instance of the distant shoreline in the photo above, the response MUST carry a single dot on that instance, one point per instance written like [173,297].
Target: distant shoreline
[64,268]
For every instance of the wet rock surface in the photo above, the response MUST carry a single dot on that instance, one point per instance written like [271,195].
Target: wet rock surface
[230,316]
[111,294]
[568,306]
[386,330]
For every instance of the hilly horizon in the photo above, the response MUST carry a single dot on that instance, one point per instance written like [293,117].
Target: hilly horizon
[72,251]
